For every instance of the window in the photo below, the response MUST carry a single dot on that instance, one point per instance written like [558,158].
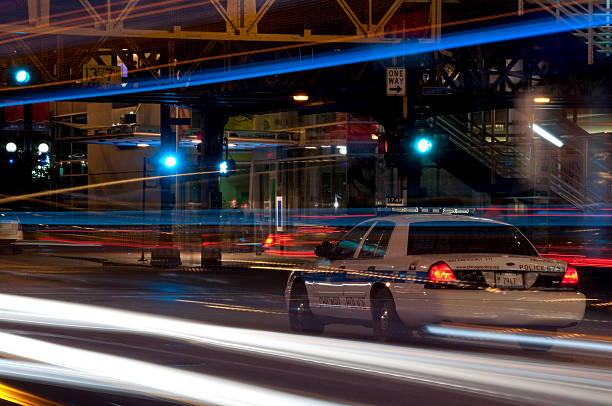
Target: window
[375,244]
[349,243]
[466,237]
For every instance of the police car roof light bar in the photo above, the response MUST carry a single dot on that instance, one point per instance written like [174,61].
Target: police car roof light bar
[428,210]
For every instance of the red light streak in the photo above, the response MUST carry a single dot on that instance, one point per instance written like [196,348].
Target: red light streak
[291,253]
[581,260]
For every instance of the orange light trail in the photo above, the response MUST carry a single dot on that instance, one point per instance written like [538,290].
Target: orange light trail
[20,397]
[245,53]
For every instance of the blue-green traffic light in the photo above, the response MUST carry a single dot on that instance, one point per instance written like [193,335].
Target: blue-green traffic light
[223,167]
[22,76]
[423,145]
[226,167]
[170,161]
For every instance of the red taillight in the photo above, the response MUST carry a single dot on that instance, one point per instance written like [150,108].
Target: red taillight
[571,277]
[269,241]
[440,272]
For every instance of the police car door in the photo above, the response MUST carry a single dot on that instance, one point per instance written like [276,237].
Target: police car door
[327,290]
[369,268]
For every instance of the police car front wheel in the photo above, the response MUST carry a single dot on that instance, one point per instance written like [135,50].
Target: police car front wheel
[301,319]
[386,324]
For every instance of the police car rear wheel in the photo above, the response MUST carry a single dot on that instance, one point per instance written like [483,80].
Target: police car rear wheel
[301,319]
[386,325]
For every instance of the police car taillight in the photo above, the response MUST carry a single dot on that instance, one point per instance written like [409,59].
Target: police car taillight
[440,272]
[570,279]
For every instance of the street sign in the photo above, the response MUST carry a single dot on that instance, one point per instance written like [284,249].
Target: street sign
[396,81]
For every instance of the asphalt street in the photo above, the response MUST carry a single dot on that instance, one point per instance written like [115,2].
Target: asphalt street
[235,298]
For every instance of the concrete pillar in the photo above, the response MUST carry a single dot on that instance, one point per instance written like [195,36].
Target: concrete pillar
[166,254]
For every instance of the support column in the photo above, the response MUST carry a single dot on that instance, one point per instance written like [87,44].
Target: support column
[28,151]
[212,153]
[166,254]
[168,146]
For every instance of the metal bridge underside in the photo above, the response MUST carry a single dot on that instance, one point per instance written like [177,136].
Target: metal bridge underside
[193,37]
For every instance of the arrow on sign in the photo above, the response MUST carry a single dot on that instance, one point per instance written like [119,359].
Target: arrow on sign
[396,89]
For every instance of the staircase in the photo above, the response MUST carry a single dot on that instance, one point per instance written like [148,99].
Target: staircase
[510,156]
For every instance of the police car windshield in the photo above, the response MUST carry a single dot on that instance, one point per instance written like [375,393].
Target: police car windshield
[466,237]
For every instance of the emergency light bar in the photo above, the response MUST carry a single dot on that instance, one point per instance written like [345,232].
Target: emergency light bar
[428,210]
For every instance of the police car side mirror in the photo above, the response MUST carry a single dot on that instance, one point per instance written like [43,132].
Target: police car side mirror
[325,249]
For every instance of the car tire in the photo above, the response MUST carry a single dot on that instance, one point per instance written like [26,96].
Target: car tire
[301,319]
[386,324]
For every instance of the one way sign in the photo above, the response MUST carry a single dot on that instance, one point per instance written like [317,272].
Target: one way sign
[396,81]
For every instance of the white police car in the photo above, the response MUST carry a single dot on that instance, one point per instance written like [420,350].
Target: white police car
[410,270]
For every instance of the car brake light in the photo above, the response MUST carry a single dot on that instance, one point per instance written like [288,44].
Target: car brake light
[440,272]
[571,277]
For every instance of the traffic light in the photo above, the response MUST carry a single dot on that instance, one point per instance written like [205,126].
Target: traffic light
[423,145]
[22,76]
[226,167]
[19,76]
[169,161]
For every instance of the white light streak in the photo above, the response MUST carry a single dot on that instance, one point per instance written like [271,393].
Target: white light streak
[546,135]
[543,383]
[153,379]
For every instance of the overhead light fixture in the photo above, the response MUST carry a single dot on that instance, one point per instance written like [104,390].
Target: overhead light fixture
[546,135]
[374,137]
[300,97]
[43,148]
[196,141]
[124,49]
[142,145]
[11,147]
[541,100]
[325,146]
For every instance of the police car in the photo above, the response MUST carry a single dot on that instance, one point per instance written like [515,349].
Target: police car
[407,270]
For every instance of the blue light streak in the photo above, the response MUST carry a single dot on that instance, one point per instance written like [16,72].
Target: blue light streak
[355,55]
